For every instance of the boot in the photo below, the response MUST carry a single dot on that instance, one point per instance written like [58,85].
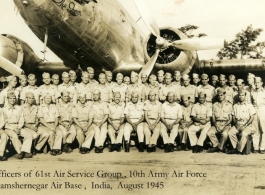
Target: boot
[127,146]
[118,147]
[112,148]
[141,147]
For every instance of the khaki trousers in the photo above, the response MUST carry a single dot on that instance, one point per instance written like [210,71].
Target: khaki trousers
[224,135]
[192,134]
[169,138]
[84,138]
[27,140]
[233,137]
[128,129]
[112,133]
[3,142]
[54,138]
[100,134]
[68,135]
[183,133]
[151,136]
[259,124]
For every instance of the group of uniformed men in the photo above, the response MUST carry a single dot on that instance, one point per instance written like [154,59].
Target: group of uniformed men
[56,114]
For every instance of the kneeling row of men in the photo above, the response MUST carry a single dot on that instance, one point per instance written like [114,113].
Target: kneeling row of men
[60,124]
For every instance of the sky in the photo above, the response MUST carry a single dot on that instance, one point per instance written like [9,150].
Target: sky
[216,18]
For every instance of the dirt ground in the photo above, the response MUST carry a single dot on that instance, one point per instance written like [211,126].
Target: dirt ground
[136,173]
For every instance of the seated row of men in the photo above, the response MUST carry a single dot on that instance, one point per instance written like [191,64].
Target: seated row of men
[59,124]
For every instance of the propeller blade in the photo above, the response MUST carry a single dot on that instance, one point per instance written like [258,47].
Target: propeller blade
[199,44]
[147,69]
[10,67]
[147,16]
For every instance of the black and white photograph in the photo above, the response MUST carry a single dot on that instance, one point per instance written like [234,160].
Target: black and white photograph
[117,97]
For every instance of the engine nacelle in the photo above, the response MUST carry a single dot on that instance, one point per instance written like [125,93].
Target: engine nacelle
[171,58]
[16,52]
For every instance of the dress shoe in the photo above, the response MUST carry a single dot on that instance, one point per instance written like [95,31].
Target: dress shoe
[20,155]
[97,150]
[234,151]
[153,148]
[58,152]
[149,149]
[186,147]
[255,152]
[262,152]
[166,148]
[82,150]
[225,150]
[127,146]
[3,158]
[199,149]
[53,152]
[100,149]
[194,149]
[65,148]
[212,150]
[171,147]
[141,147]
[86,150]
[179,148]
[112,148]
[118,147]
[27,155]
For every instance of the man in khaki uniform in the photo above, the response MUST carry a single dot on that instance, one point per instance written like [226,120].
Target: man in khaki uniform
[30,88]
[84,87]
[31,121]
[14,122]
[177,77]
[229,95]
[241,85]
[215,81]
[127,80]
[47,88]
[201,114]
[83,117]
[134,115]
[91,74]
[153,86]
[22,79]
[120,87]
[48,117]
[243,116]
[100,112]
[222,118]
[12,82]
[185,123]
[116,122]
[55,80]
[160,78]
[188,89]
[258,99]
[167,87]
[135,86]
[65,109]
[251,83]
[205,87]
[152,112]
[109,81]
[232,83]
[144,79]
[73,77]
[3,137]
[67,87]
[171,115]
[105,90]
[196,79]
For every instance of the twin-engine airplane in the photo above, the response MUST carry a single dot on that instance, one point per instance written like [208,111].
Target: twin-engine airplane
[101,34]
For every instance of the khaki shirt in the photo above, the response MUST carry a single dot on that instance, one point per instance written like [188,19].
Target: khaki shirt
[93,83]
[208,90]
[32,89]
[250,88]
[171,111]
[69,88]
[258,98]
[202,111]
[50,114]
[105,92]
[222,113]
[111,85]
[13,117]
[134,111]
[100,109]
[82,112]
[65,111]
[247,98]
[122,88]
[19,90]
[139,88]
[50,89]
[243,112]
[190,90]
[30,113]
[3,95]
[116,111]
[167,88]
[87,89]
[149,88]
[153,109]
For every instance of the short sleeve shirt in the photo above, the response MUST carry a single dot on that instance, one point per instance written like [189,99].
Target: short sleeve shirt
[100,109]
[258,98]
[49,114]
[32,89]
[82,112]
[189,90]
[116,111]
[139,88]
[171,111]
[3,95]
[30,113]
[222,112]
[202,111]
[85,88]
[122,88]
[186,112]
[134,111]
[243,112]
[13,116]
[208,90]
[50,89]
[153,109]
[65,111]
[105,92]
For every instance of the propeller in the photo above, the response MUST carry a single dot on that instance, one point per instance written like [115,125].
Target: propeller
[162,44]
[10,67]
